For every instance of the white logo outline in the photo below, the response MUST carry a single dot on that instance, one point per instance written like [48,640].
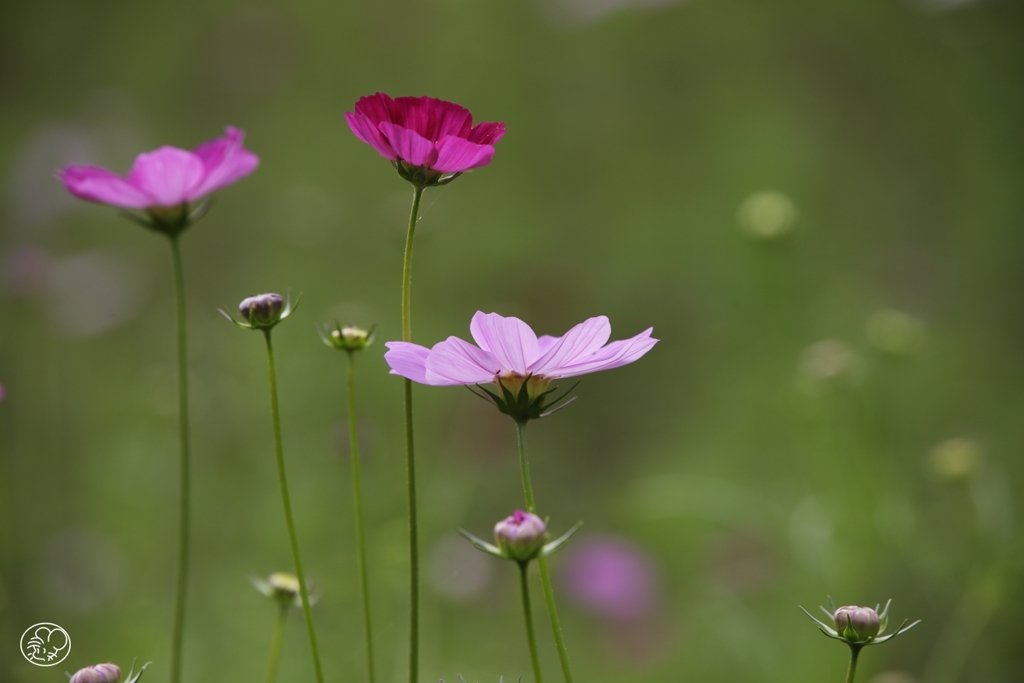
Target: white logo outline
[37,648]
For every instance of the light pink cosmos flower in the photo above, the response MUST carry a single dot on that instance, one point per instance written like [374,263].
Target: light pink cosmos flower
[430,141]
[165,178]
[519,362]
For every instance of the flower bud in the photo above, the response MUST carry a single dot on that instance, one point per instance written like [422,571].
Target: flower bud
[97,673]
[262,310]
[521,536]
[282,587]
[857,624]
[347,338]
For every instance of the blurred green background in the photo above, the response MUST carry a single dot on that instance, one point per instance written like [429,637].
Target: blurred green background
[818,206]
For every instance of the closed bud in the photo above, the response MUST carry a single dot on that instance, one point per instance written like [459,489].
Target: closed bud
[281,587]
[262,310]
[521,536]
[97,673]
[347,338]
[857,624]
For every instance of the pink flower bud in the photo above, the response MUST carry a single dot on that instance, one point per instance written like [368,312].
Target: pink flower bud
[857,624]
[97,673]
[521,536]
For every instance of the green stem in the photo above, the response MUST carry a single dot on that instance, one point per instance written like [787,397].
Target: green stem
[357,491]
[854,653]
[410,452]
[275,643]
[289,521]
[531,638]
[178,631]
[542,562]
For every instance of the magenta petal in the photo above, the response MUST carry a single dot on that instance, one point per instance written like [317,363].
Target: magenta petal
[408,360]
[167,174]
[578,343]
[512,342]
[367,131]
[225,161]
[100,185]
[454,361]
[486,133]
[377,108]
[455,155]
[410,146]
[616,354]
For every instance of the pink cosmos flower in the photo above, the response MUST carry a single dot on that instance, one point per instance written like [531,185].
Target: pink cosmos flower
[166,178]
[519,362]
[430,141]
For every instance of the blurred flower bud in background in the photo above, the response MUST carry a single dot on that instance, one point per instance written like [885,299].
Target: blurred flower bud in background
[894,332]
[767,215]
[954,459]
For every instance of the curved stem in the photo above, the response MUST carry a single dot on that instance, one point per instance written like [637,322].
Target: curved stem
[357,491]
[854,652]
[275,643]
[531,639]
[410,457]
[289,521]
[542,562]
[178,631]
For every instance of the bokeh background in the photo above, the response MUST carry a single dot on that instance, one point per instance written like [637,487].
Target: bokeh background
[818,206]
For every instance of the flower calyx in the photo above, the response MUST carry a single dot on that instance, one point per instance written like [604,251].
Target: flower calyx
[521,538]
[347,338]
[263,311]
[281,587]
[170,220]
[423,176]
[859,626]
[524,397]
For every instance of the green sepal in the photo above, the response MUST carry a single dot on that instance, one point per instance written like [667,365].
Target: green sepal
[483,545]
[557,544]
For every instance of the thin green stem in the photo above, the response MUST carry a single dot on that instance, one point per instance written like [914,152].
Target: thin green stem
[275,643]
[542,562]
[289,521]
[854,653]
[178,632]
[531,638]
[357,491]
[410,451]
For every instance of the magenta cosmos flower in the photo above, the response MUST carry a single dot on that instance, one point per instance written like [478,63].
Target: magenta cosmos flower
[165,181]
[429,141]
[520,363]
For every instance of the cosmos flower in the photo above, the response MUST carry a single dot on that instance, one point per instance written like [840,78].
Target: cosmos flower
[429,141]
[165,180]
[516,360]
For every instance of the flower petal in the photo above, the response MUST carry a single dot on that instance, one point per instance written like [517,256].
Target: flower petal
[486,133]
[512,342]
[410,146]
[377,108]
[455,155]
[408,360]
[366,130]
[432,118]
[614,355]
[454,361]
[225,161]
[578,343]
[545,342]
[100,185]
[167,175]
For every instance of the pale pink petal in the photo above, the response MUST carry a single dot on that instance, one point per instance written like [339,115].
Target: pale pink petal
[100,185]
[167,175]
[578,343]
[454,361]
[612,356]
[366,130]
[225,161]
[545,342]
[486,133]
[408,360]
[377,108]
[455,155]
[410,146]
[512,342]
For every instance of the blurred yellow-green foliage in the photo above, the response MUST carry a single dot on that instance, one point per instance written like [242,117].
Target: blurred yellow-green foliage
[818,206]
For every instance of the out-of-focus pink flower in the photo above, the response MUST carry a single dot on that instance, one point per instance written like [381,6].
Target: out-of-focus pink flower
[3,393]
[167,177]
[509,350]
[430,141]
[612,578]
